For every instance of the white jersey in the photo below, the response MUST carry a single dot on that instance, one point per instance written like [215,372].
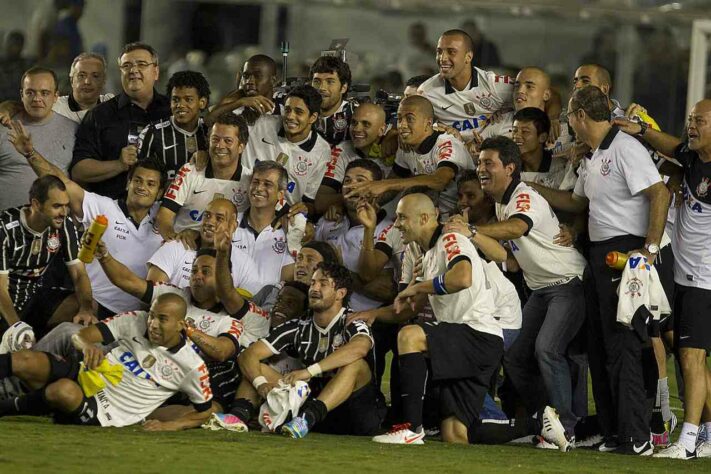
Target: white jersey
[151,373]
[68,107]
[504,127]
[305,162]
[348,238]
[543,262]
[129,242]
[554,172]
[268,247]
[613,180]
[469,110]
[242,329]
[508,305]
[692,252]
[474,305]
[342,155]
[436,151]
[191,191]
[173,259]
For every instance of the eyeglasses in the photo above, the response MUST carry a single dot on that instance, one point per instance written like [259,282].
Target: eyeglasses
[140,65]
[567,114]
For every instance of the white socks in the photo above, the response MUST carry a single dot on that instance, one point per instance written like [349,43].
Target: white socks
[688,435]
[663,398]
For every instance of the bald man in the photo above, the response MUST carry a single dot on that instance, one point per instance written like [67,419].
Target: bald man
[156,364]
[463,95]
[465,344]
[432,159]
[692,295]
[256,90]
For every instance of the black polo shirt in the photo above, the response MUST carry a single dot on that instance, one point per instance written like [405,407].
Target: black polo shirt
[105,131]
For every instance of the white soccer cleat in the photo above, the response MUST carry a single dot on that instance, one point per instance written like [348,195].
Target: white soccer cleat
[703,449]
[225,421]
[17,337]
[552,430]
[675,451]
[400,434]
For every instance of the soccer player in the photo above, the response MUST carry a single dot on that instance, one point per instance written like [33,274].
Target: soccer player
[292,141]
[693,281]
[628,204]
[464,96]
[32,237]
[331,76]
[464,345]
[156,363]
[131,235]
[335,356]
[173,261]
[255,90]
[192,190]
[433,159]
[554,311]
[412,85]
[184,133]
[255,234]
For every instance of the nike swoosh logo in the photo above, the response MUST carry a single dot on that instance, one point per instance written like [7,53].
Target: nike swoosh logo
[636,450]
[684,337]
[20,247]
[198,192]
[411,439]
[445,108]
[616,279]
[169,147]
[119,223]
[264,140]
[137,340]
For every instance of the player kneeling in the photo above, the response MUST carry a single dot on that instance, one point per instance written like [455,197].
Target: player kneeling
[150,363]
[344,396]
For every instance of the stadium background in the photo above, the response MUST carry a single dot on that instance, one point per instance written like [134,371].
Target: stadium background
[657,49]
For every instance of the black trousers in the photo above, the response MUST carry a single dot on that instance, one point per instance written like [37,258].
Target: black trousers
[622,366]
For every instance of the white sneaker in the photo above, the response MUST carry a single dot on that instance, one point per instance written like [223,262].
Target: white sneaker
[675,451]
[553,430]
[703,449]
[400,434]
[543,444]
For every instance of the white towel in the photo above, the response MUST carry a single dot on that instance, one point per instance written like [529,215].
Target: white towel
[640,286]
[283,400]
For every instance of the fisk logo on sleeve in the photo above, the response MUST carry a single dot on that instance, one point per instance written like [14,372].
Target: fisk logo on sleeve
[523,202]
[451,246]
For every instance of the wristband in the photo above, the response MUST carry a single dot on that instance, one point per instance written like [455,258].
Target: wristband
[314,370]
[259,381]
[438,284]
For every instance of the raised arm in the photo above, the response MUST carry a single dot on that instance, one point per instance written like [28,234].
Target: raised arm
[119,274]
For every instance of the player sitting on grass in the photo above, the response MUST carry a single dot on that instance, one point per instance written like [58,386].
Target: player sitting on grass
[335,356]
[154,360]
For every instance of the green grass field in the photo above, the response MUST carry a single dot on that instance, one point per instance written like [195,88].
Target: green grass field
[36,445]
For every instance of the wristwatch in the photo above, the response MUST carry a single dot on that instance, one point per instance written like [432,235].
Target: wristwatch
[652,248]
[643,128]
[30,154]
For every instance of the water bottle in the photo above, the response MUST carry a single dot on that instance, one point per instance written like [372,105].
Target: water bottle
[91,238]
[616,260]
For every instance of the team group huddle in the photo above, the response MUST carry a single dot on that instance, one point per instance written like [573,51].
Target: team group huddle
[261,255]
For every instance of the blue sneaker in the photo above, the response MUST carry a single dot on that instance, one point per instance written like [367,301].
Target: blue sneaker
[297,428]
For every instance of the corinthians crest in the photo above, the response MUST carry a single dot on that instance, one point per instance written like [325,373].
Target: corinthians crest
[605,167]
[634,288]
[703,188]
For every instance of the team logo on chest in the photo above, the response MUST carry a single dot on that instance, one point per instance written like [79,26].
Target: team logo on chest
[634,288]
[238,197]
[53,243]
[337,341]
[168,369]
[605,167]
[279,246]
[703,188]
[302,166]
[340,123]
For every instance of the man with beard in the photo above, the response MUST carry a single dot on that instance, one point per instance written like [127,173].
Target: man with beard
[106,139]
[331,76]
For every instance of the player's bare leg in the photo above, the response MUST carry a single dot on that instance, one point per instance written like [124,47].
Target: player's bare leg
[454,431]
[347,380]
[33,368]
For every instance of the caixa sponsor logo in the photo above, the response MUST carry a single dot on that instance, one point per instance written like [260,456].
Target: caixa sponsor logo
[196,215]
[470,124]
[291,186]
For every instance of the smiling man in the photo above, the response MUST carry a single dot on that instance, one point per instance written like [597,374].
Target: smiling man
[87,76]
[331,76]
[175,140]
[107,137]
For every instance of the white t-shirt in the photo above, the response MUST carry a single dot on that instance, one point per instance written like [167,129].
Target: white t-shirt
[554,172]
[151,373]
[543,262]
[348,238]
[342,155]
[468,110]
[475,305]
[436,151]
[504,127]
[269,248]
[127,242]
[177,262]
[68,107]
[613,180]
[191,191]
[305,162]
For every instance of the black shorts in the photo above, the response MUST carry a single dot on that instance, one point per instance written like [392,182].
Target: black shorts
[462,362]
[692,317]
[360,415]
[224,379]
[39,310]
[664,264]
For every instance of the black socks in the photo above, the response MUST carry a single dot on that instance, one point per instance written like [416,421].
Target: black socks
[314,410]
[413,377]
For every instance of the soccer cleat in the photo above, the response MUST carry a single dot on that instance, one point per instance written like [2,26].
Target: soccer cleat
[225,421]
[636,449]
[297,428]
[542,443]
[609,445]
[703,449]
[675,451]
[660,429]
[400,434]
[552,429]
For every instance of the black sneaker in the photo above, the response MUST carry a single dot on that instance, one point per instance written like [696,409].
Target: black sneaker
[609,444]
[636,449]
